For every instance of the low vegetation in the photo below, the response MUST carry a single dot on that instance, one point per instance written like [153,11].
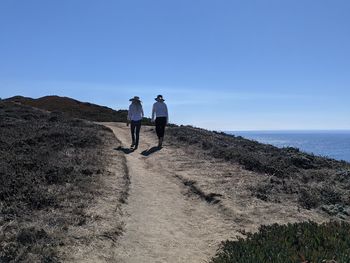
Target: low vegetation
[292,243]
[76,109]
[50,169]
[312,181]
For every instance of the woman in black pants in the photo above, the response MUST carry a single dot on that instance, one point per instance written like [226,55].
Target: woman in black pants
[161,118]
[135,115]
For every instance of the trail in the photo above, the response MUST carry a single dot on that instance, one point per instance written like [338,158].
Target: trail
[162,222]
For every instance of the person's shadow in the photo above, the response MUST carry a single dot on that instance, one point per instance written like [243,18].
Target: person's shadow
[124,150]
[150,151]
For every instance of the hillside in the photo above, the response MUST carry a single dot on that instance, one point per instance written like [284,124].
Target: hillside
[313,182]
[73,108]
[69,188]
[53,169]
[184,201]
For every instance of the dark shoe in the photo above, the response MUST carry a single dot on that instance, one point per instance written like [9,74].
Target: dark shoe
[136,146]
[160,142]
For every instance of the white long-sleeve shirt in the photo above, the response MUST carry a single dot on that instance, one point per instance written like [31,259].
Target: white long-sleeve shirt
[160,110]
[135,112]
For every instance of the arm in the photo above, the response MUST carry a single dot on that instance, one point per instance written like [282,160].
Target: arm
[129,116]
[167,115]
[129,113]
[153,113]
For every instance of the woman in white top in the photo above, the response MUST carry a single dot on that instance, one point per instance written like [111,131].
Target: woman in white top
[161,118]
[135,115]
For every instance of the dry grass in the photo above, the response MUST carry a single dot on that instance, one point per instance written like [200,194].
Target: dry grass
[309,180]
[51,170]
[76,109]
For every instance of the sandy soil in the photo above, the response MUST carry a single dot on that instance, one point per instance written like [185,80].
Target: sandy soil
[181,205]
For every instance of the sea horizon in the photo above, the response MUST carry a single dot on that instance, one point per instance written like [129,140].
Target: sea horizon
[328,143]
[294,130]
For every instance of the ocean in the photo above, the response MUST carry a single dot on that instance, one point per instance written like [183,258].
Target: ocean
[333,144]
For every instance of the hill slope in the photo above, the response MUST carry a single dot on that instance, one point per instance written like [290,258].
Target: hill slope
[73,108]
[182,202]
[52,170]
[208,185]
[289,174]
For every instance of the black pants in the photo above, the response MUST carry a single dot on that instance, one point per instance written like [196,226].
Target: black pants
[160,126]
[135,132]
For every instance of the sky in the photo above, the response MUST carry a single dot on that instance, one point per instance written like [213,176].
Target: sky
[220,65]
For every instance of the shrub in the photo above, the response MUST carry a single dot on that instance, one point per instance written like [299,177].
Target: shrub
[308,198]
[298,242]
[46,159]
[304,175]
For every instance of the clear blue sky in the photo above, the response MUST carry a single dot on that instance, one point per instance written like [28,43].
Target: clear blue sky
[223,64]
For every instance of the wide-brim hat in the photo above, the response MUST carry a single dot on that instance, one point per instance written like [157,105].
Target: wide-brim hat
[159,98]
[137,98]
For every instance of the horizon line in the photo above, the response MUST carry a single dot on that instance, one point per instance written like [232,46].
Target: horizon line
[292,130]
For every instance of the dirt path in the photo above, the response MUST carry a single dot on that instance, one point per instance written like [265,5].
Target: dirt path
[162,223]
[182,203]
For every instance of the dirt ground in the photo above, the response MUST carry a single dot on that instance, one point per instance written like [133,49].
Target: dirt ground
[182,205]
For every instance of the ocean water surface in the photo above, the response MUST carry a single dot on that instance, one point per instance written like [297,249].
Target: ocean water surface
[334,144]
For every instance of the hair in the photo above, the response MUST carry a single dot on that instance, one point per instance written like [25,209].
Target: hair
[137,103]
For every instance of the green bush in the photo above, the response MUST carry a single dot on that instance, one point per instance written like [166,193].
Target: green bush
[298,242]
